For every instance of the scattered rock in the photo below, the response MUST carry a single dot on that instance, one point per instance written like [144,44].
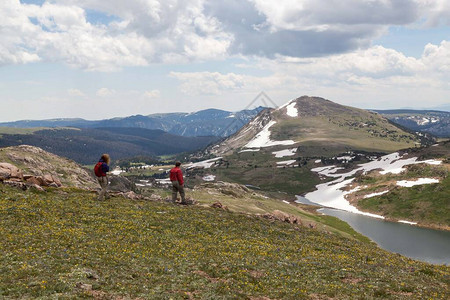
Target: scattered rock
[84,286]
[34,180]
[37,187]
[8,171]
[155,197]
[133,196]
[282,216]
[20,185]
[120,184]
[219,205]
[13,176]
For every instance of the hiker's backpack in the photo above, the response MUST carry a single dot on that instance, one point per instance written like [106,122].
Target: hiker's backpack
[98,170]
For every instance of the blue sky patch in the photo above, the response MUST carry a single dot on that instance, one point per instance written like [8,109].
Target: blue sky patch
[97,17]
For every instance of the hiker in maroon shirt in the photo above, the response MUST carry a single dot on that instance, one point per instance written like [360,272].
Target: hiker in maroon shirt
[176,176]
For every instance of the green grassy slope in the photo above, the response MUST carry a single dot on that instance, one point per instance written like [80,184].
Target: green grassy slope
[428,204]
[322,122]
[260,169]
[10,130]
[64,244]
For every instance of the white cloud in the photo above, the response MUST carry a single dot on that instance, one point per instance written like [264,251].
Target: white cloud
[152,94]
[364,74]
[105,92]
[75,92]
[210,83]
[144,32]
[436,12]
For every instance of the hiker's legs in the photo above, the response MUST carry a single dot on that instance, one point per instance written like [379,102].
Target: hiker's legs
[181,190]
[103,181]
[175,186]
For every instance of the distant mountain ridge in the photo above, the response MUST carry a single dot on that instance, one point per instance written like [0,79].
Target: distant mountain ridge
[434,122]
[209,122]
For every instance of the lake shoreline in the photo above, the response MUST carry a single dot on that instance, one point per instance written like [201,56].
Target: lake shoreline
[388,219]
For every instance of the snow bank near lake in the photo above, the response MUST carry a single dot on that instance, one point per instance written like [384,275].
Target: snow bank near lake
[420,181]
[407,222]
[375,194]
[330,194]
[285,152]
[262,139]
[391,163]
[333,196]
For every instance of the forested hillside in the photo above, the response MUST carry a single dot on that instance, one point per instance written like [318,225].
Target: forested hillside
[86,145]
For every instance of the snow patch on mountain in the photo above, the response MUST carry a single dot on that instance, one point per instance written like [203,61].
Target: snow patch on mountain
[331,194]
[292,110]
[209,177]
[286,162]
[262,139]
[286,104]
[420,181]
[285,152]
[249,150]
[206,164]
[375,194]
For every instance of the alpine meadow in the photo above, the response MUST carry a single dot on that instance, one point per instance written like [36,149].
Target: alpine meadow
[211,149]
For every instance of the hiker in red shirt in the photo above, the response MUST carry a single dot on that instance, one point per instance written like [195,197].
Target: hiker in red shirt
[176,176]
[100,170]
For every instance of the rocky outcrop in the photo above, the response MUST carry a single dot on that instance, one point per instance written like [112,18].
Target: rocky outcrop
[12,175]
[231,189]
[120,184]
[9,171]
[282,216]
[219,205]
[41,168]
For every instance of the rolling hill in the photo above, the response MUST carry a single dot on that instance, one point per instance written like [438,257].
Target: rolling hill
[64,243]
[320,126]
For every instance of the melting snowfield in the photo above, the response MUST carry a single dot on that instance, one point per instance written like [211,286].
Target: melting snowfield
[406,183]
[262,139]
[249,150]
[285,152]
[286,162]
[331,194]
[116,171]
[292,110]
[206,164]
[375,194]
[209,178]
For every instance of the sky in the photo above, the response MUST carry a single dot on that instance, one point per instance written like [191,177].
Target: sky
[97,59]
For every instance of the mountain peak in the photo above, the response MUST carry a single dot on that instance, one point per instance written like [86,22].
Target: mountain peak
[319,124]
[313,106]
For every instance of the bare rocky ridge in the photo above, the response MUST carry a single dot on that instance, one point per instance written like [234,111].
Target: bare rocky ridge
[35,167]
[244,135]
